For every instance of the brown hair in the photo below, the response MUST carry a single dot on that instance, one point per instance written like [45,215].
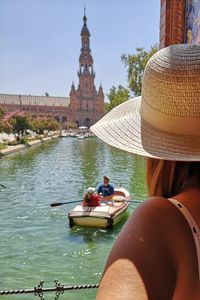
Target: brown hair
[168,178]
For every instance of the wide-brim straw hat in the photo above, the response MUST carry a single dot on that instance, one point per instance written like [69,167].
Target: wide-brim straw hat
[164,122]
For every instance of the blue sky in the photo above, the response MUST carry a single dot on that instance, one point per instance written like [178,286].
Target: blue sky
[40,41]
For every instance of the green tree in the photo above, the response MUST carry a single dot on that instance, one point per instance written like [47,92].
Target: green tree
[70,125]
[17,121]
[116,96]
[37,125]
[2,112]
[135,65]
[20,124]
[53,125]
[41,124]
[1,118]
[5,126]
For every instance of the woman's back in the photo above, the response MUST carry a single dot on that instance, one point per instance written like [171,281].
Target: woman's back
[157,246]
[156,255]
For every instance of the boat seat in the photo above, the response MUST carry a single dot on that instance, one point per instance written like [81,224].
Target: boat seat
[118,198]
[91,208]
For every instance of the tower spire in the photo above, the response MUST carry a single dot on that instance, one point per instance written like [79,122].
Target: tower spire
[84,18]
[85,30]
[84,11]
[86,104]
[86,73]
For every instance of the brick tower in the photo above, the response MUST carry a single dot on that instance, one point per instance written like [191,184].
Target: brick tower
[86,104]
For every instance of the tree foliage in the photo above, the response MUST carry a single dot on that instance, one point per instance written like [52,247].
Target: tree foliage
[135,65]
[20,124]
[69,125]
[5,126]
[116,96]
[2,112]
[17,122]
[53,125]
[41,124]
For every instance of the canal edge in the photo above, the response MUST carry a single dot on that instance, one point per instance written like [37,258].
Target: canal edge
[15,148]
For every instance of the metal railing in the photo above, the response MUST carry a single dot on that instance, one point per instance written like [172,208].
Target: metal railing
[40,289]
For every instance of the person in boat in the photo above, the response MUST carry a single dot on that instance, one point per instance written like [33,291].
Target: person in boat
[91,199]
[157,254]
[106,190]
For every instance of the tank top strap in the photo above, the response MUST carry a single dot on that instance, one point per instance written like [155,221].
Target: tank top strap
[193,226]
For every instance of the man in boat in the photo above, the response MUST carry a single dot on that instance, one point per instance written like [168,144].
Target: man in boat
[106,190]
[91,199]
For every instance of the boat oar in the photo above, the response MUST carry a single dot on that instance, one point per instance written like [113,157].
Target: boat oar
[133,201]
[3,186]
[130,201]
[69,202]
[62,203]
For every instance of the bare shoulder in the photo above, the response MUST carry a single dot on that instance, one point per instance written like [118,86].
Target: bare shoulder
[148,227]
[152,211]
[141,256]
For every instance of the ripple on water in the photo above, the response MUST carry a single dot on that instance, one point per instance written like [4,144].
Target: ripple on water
[36,242]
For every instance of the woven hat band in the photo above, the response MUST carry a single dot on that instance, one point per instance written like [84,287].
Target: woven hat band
[169,123]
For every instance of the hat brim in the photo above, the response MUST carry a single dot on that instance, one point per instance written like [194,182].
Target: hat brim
[124,128]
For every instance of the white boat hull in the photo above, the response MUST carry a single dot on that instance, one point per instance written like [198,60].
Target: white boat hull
[103,216]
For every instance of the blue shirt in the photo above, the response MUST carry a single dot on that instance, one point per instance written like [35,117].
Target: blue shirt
[105,190]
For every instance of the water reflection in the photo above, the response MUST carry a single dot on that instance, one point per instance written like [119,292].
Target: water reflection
[96,159]
[26,158]
[89,235]
[36,242]
[128,170]
[92,236]
[88,156]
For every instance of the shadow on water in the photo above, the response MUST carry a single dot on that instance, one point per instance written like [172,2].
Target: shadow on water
[93,235]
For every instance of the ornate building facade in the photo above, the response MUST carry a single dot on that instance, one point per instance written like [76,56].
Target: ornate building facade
[179,22]
[84,106]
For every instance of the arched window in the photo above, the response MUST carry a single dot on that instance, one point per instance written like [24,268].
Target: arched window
[87,122]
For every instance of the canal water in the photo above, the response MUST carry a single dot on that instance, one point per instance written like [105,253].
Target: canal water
[36,242]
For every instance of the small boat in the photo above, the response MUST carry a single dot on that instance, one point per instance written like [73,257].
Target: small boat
[104,216]
[64,133]
[80,136]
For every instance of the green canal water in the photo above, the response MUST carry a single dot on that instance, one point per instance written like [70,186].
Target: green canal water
[36,242]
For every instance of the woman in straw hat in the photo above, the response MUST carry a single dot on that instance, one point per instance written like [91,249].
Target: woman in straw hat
[157,254]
